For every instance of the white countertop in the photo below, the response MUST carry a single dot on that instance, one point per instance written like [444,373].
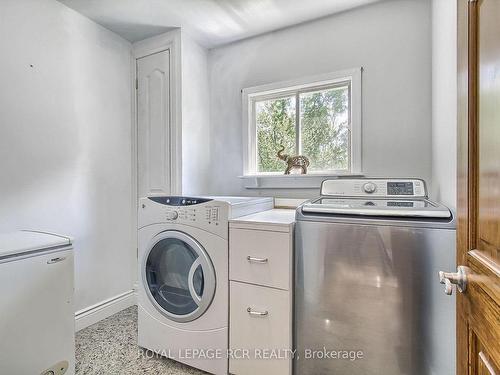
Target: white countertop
[275,216]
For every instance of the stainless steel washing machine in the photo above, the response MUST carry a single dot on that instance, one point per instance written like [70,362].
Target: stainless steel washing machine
[367,296]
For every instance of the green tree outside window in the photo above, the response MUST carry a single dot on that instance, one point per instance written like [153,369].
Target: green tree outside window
[323,129]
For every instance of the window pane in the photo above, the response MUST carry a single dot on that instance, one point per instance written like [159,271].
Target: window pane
[324,117]
[275,120]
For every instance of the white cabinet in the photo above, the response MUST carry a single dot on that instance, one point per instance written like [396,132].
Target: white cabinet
[261,284]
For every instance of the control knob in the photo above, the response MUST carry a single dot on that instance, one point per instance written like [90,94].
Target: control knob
[369,187]
[172,215]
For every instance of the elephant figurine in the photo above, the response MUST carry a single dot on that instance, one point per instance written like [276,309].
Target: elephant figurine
[293,162]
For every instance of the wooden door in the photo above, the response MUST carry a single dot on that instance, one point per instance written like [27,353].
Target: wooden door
[478,242]
[153,125]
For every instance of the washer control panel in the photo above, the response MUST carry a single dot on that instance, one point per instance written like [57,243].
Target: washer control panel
[369,187]
[379,187]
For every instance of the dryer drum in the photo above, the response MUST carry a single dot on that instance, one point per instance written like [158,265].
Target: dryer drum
[180,277]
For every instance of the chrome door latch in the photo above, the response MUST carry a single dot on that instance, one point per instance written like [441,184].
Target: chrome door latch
[257,313]
[458,278]
[257,260]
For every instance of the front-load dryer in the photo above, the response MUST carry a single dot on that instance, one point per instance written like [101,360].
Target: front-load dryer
[183,276]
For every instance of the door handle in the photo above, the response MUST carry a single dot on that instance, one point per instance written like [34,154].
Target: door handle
[257,313]
[192,291]
[56,260]
[458,278]
[257,260]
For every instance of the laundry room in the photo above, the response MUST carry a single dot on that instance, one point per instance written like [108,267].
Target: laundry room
[249,187]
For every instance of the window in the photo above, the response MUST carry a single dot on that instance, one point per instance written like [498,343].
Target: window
[316,117]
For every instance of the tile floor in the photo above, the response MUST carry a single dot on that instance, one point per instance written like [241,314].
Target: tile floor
[110,348]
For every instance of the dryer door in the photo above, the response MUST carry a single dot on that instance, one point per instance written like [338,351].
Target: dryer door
[178,276]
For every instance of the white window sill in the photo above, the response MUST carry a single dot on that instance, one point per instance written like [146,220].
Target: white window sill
[290,181]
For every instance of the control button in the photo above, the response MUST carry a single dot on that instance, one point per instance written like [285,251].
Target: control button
[369,187]
[172,215]
[369,204]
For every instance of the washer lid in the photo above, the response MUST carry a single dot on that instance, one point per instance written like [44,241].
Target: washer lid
[27,241]
[411,208]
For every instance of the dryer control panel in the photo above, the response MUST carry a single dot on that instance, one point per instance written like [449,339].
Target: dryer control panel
[207,214]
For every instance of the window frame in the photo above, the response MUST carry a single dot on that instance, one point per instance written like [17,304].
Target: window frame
[296,87]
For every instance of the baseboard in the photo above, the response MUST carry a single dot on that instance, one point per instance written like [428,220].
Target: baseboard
[95,313]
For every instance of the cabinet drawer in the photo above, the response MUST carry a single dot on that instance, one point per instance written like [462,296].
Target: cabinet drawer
[260,257]
[260,334]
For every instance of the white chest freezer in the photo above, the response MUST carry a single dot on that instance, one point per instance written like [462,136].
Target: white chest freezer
[37,321]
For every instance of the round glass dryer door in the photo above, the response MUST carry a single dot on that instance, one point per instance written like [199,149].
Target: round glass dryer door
[179,276]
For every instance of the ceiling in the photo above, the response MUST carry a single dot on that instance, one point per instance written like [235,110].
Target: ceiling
[211,22]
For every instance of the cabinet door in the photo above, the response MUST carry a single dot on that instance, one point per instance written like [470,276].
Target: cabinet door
[260,257]
[260,325]
[153,125]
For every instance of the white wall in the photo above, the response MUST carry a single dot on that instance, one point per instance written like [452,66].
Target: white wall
[444,101]
[65,133]
[390,40]
[196,171]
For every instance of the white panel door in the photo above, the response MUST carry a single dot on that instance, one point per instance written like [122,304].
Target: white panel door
[153,125]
